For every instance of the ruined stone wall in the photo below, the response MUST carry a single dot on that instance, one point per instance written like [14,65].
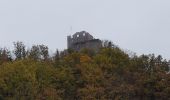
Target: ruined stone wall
[92,44]
[82,40]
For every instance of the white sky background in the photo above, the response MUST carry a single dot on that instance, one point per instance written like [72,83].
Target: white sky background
[142,26]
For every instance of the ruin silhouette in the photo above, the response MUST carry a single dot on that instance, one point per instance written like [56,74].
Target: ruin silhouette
[82,40]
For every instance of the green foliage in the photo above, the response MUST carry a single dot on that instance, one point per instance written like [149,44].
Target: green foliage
[39,52]
[109,74]
[5,55]
[19,50]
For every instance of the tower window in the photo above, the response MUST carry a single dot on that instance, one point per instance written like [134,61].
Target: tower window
[78,36]
[84,34]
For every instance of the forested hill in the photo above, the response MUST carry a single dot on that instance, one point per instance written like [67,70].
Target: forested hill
[110,74]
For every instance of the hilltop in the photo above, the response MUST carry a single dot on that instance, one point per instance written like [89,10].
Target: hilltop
[107,74]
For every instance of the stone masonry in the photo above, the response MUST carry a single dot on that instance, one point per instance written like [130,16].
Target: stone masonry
[81,40]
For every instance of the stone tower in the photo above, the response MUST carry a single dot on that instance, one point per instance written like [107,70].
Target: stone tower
[82,40]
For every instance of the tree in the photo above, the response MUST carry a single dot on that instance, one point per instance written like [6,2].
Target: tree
[108,44]
[5,55]
[109,74]
[44,51]
[35,52]
[39,52]
[19,50]
[56,57]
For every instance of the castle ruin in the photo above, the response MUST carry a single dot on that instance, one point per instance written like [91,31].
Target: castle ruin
[83,39]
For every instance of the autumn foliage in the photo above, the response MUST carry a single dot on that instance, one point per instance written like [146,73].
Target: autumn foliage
[109,74]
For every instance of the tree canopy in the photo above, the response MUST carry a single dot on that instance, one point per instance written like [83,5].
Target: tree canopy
[109,74]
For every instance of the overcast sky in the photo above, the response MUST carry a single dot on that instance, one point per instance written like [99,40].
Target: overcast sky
[142,26]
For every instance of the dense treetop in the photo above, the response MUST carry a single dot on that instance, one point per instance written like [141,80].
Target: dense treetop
[109,74]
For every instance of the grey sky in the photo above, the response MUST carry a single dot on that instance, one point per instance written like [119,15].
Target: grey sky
[142,26]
